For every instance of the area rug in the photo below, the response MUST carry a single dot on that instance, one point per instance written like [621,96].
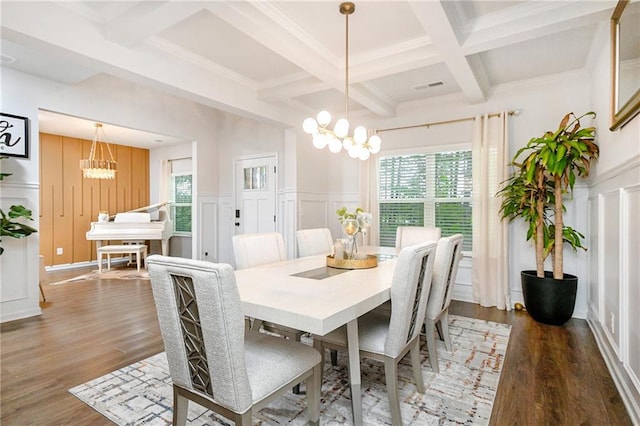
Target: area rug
[119,274]
[462,394]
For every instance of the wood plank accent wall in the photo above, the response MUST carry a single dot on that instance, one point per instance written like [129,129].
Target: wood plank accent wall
[69,203]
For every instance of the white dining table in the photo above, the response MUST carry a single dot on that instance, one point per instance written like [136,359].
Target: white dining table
[306,295]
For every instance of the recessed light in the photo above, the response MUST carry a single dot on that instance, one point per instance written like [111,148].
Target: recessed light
[6,59]
[158,140]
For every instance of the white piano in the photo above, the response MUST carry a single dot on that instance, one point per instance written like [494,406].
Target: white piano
[146,223]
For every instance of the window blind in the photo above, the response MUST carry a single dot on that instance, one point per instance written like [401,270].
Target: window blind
[181,208]
[432,189]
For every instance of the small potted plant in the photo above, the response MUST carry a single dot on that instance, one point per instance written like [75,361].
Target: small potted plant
[536,192]
[11,227]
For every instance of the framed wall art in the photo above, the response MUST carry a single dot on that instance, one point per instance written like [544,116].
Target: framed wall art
[14,135]
[625,63]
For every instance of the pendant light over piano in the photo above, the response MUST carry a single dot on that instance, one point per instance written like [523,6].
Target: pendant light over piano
[97,166]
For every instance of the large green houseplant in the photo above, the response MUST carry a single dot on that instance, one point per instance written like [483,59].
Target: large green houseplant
[10,227]
[542,181]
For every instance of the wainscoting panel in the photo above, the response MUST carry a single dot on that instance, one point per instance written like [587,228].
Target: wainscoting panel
[630,283]
[208,219]
[288,221]
[610,266]
[614,288]
[19,269]
[226,228]
[313,213]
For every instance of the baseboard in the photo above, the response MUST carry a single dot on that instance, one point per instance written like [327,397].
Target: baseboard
[463,293]
[20,315]
[67,266]
[628,392]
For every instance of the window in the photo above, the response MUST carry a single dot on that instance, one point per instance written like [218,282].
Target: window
[181,206]
[432,189]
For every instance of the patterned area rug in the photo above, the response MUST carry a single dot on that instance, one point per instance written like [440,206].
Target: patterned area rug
[462,393]
[120,274]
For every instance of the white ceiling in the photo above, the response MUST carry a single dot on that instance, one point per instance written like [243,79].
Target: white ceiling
[284,60]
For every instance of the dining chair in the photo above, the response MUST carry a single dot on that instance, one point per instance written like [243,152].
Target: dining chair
[314,241]
[445,269]
[211,360]
[260,249]
[410,235]
[388,338]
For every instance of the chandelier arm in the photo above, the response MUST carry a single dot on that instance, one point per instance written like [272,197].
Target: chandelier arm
[110,154]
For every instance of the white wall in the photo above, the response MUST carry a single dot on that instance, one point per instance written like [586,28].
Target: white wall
[327,181]
[239,137]
[118,102]
[614,224]
[19,266]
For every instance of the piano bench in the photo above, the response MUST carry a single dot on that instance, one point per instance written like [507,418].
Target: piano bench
[137,249]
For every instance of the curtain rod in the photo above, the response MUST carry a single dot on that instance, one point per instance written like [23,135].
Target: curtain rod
[458,120]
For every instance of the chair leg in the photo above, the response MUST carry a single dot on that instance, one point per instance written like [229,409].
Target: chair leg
[314,391]
[44,299]
[296,388]
[391,377]
[429,328]
[246,419]
[444,328]
[416,366]
[180,408]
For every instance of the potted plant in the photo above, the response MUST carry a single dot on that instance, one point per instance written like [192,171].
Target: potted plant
[536,192]
[11,227]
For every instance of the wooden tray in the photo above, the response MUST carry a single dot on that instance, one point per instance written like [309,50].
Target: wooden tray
[370,262]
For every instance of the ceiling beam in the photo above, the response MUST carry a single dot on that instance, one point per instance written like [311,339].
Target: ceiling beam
[530,20]
[267,25]
[436,23]
[87,46]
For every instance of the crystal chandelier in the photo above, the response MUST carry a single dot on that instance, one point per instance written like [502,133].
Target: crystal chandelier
[360,145]
[99,168]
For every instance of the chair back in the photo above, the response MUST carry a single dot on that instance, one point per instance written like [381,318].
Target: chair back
[202,326]
[409,291]
[445,269]
[411,235]
[314,241]
[258,249]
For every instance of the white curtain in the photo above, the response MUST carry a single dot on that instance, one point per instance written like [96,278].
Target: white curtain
[164,185]
[369,197]
[490,278]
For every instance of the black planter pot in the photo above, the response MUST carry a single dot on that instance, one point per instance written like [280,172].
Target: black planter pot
[548,300]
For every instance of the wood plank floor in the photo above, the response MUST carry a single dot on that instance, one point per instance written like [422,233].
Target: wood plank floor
[552,375]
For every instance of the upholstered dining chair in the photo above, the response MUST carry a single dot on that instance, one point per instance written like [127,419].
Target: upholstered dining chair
[211,360]
[410,235]
[389,338]
[260,249]
[445,269]
[314,241]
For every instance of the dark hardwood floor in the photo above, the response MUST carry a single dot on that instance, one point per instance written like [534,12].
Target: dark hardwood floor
[552,375]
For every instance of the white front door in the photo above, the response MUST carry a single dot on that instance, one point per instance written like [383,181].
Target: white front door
[255,195]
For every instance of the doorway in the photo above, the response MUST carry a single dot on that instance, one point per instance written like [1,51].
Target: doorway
[256,187]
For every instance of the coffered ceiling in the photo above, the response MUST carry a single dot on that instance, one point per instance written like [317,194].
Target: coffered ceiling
[284,60]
